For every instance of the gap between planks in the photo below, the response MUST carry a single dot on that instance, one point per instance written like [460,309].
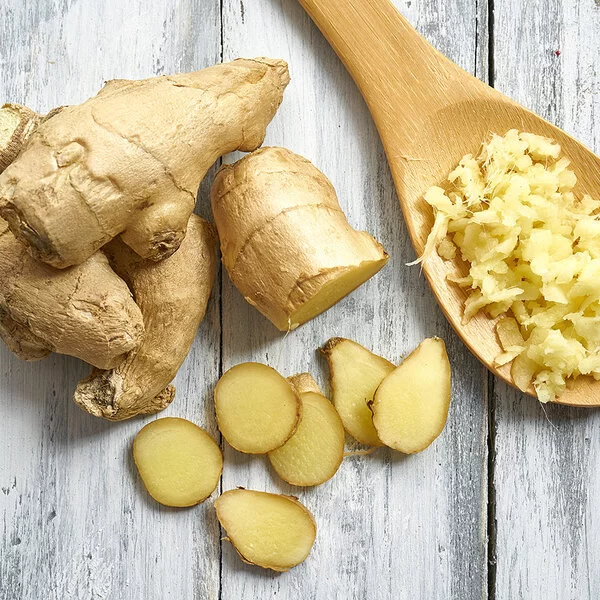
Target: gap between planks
[489,381]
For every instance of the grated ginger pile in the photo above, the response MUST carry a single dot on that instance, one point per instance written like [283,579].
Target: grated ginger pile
[534,252]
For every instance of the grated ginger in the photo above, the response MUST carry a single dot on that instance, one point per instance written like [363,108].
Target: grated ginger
[534,255]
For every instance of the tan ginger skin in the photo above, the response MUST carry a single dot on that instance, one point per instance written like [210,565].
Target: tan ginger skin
[286,243]
[172,295]
[17,123]
[304,383]
[88,311]
[85,311]
[129,160]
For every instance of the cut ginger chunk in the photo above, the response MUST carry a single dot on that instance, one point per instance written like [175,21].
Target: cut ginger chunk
[316,450]
[268,530]
[179,463]
[410,406]
[285,241]
[355,374]
[257,409]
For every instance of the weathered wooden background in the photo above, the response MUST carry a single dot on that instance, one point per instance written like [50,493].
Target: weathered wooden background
[506,503]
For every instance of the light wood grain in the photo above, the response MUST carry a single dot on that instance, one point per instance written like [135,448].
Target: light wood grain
[388,527]
[546,469]
[76,521]
[429,114]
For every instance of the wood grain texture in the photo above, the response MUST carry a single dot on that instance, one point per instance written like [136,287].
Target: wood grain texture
[76,521]
[546,476]
[388,527]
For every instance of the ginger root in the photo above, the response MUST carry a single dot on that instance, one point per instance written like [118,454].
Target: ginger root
[85,311]
[172,295]
[129,160]
[285,241]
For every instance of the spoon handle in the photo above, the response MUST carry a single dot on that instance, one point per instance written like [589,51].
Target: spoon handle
[391,64]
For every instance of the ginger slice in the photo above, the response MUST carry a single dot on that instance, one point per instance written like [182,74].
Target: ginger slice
[257,409]
[410,406]
[315,452]
[268,530]
[355,373]
[179,463]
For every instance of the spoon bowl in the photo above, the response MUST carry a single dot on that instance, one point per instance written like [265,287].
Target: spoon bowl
[429,114]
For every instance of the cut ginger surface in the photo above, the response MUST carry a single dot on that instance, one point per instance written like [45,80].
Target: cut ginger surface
[316,450]
[410,406]
[179,463]
[355,373]
[269,530]
[257,409]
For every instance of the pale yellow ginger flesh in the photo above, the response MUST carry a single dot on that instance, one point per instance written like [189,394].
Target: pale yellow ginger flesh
[257,409]
[354,374]
[268,530]
[285,240]
[179,463]
[533,250]
[410,406]
[316,450]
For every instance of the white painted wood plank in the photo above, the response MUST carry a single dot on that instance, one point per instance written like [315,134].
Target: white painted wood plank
[389,527]
[546,466]
[76,521]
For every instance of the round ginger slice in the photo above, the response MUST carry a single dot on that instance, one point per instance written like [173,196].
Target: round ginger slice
[257,409]
[179,463]
[268,530]
[315,452]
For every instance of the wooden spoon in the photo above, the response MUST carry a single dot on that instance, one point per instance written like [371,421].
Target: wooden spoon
[429,114]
